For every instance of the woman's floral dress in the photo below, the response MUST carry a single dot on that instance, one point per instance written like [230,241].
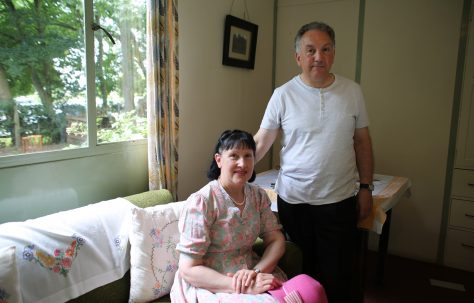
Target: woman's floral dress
[214,229]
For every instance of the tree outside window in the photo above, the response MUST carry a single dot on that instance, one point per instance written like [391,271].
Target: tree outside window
[43,79]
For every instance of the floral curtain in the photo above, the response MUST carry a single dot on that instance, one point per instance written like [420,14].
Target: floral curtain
[162,96]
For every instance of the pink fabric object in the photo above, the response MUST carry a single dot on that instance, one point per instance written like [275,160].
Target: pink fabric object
[308,289]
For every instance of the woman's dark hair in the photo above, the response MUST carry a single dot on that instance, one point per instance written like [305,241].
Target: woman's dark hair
[231,139]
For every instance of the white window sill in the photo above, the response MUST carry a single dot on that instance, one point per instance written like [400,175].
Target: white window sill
[60,155]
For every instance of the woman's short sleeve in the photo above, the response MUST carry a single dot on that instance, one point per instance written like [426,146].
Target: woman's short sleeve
[194,226]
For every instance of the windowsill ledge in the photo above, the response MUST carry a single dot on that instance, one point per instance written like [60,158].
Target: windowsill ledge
[61,155]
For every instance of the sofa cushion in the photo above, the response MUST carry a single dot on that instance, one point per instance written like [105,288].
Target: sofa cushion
[66,254]
[153,256]
[9,284]
[151,198]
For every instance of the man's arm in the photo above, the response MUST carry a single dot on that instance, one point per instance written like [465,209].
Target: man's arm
[365,166]
[264,139]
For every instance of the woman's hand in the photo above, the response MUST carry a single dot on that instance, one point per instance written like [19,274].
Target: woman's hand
[242,279]
[247,281]
[262,283]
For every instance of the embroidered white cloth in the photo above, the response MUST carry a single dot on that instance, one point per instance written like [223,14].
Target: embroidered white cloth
[66,254]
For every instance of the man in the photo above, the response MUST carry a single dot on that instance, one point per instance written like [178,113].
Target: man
[325,143]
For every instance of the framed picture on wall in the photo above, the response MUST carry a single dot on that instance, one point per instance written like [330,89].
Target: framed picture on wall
[240,42]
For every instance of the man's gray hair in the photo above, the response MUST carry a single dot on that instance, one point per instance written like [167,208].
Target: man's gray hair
[316,25]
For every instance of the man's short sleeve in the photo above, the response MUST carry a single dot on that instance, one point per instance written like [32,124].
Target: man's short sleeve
[271,118]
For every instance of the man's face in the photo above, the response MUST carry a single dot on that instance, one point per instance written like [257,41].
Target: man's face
[315,58]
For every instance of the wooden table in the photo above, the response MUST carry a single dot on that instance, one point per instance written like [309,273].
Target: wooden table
[388,192]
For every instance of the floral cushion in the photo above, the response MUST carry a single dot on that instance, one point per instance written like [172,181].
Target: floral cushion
[153,256]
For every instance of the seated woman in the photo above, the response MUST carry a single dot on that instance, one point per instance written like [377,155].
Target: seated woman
[218,227]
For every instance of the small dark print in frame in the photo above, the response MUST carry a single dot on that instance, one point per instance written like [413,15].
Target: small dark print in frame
[240,42]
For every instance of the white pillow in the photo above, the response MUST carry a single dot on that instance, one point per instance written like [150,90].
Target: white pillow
[153,256]
[9,285]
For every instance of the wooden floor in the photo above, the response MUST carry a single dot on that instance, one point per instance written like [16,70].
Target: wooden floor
[406,281]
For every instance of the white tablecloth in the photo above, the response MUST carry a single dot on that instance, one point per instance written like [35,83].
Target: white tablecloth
[388,192]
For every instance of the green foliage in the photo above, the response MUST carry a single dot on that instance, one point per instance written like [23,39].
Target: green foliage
[5,142]
[77,129]
[127,126]
[35,39]
[6,123]
[42,52]
[35,121]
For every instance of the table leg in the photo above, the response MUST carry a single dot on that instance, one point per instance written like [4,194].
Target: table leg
[383,249]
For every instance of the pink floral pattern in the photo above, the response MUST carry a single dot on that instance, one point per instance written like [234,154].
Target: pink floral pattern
[60,261]
[214,229]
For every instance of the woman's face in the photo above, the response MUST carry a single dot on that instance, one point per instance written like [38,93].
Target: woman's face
[236,165]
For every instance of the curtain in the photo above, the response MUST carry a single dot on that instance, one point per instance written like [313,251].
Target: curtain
[162,95]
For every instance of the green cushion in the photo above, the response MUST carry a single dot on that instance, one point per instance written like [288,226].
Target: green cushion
[165,299]
[151,198]
[117,291]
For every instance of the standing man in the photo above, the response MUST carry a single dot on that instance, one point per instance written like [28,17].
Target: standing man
[325,143]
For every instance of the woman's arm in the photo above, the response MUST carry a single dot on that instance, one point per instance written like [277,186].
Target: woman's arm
[201,276]
[249,281]
[274,242]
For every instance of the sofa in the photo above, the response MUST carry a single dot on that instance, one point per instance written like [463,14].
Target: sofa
[119,290]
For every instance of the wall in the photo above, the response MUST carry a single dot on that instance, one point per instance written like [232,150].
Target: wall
[291,15]
[34,190]
[409,55]
[410,108]
[214,97]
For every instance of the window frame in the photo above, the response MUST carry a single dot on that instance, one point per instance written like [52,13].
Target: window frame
[93,148]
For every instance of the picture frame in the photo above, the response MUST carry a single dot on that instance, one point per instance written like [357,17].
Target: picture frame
[240,42]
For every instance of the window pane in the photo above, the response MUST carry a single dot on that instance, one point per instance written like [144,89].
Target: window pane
[120,70]
[42,78]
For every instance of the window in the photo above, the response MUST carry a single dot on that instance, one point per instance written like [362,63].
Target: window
[72,74]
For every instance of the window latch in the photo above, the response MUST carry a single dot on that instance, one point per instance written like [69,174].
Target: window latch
[96,27]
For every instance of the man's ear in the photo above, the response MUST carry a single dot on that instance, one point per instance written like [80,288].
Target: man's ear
[297,58]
